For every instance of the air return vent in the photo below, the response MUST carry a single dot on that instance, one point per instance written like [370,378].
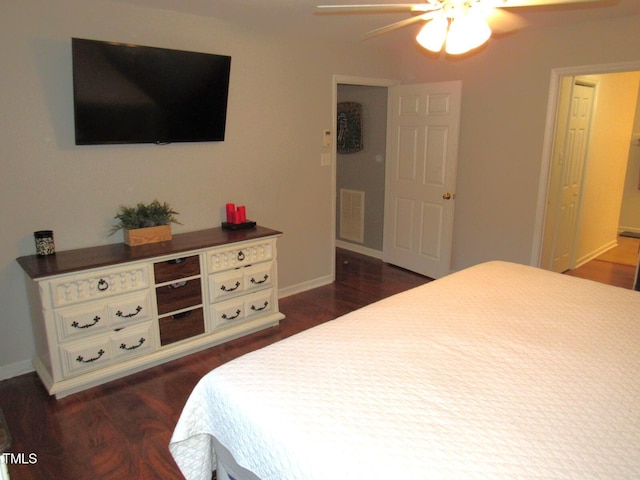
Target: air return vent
[352,215]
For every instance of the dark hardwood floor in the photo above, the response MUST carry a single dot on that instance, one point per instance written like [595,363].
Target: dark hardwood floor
[121,430]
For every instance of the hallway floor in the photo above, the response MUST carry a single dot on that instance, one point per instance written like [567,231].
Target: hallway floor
[615,267]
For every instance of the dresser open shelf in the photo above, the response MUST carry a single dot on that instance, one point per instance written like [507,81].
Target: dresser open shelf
[104,312]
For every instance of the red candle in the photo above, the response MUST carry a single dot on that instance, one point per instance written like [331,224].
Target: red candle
[241,215]
[231,212]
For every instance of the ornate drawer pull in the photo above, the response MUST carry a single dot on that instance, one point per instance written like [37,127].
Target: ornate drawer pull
[180,316]
[231,289]
[89,360]
[258,282]
[103,285]
[241,256]
[123,346]
[225,317]
[96,319]
[129,315]
[258,309]
[177,284]
[175,261]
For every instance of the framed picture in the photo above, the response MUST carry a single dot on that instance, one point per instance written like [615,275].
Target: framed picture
[349,127]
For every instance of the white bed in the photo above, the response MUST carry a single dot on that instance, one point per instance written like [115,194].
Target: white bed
[500,371]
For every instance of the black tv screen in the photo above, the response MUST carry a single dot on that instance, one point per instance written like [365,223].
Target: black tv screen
[135,94]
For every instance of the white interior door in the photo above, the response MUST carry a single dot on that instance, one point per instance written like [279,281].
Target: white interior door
[568,172]
[422,152]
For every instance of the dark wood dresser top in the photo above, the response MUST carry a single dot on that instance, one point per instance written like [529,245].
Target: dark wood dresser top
[105,255]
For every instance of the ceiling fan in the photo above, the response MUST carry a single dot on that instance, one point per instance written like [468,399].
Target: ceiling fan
[457,25]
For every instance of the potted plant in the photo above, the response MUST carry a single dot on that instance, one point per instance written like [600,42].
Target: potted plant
[145,223]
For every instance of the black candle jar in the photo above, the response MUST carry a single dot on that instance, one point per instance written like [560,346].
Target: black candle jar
[44,243]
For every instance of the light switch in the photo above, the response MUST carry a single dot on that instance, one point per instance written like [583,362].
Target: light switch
[325,159]
[326,138]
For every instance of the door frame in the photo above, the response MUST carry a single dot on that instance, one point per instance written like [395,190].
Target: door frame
[554,187]
[547,147]
[344,80]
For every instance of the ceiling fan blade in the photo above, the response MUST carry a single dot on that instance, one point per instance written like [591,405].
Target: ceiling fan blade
[400,24]
[377,8]
[503,21]
[538,3]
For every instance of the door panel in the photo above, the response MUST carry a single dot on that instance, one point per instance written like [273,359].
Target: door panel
[431,246]
[408,137]
[571,164]
[422,149]
[403,230]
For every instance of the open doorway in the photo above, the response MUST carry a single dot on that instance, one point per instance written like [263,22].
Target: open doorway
[423,125]
[601,203]
[341,81]
[360,170]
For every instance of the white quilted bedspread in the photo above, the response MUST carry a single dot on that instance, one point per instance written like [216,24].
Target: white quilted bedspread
[500,371]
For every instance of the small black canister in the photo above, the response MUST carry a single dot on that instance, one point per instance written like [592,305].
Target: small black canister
[44,243]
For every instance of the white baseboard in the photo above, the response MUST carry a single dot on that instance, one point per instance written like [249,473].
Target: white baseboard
[628,229]
[596,253]
[326,280]
[303,287]
[352,247]
[16,369]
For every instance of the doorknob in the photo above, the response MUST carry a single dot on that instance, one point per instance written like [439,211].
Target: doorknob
[448,196]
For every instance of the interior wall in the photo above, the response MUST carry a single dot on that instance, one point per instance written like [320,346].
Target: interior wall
[606,167]
[630,212]
[280,101]
[505,94]
[364,170]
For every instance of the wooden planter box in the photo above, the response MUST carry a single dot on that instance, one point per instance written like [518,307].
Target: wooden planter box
[142,236]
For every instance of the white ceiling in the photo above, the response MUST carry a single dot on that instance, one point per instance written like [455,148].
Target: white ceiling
[300,15]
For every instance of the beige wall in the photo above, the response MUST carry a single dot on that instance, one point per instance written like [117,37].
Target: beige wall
[504,107]
[630,214]
[606,167]
[280,102]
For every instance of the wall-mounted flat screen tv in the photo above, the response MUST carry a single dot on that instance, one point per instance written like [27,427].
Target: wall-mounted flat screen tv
[135,94]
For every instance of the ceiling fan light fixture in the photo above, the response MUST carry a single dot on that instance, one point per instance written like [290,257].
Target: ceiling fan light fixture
[467,32]
[433,34]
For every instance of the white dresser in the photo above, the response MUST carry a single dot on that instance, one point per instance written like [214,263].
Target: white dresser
[104,312]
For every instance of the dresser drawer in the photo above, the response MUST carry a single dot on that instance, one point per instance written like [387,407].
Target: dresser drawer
[231,311]
[95,317]
[79,357]
[259,303]
[81,322]
[241,308]
[240,281]
[178,296]
[258,276]
[176,268]
[133,340]
[237,256]
[98,285]
[226,285]
[181,326]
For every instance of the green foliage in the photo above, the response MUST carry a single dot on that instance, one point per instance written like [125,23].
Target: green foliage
[144,215]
